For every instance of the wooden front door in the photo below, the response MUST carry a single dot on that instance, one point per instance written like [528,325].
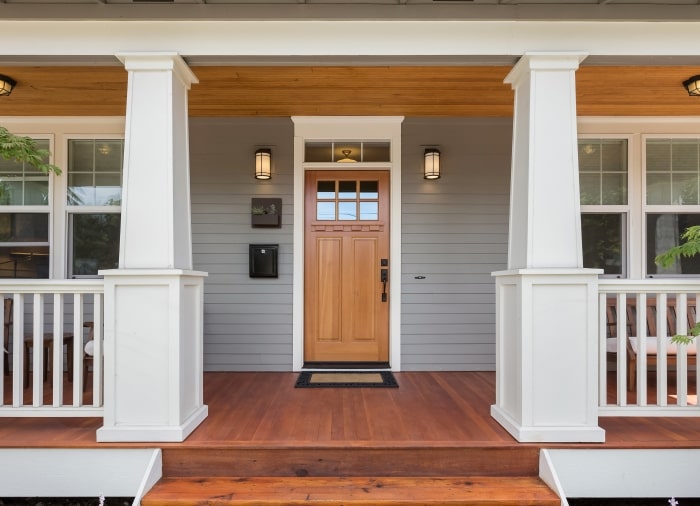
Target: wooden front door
[346,272]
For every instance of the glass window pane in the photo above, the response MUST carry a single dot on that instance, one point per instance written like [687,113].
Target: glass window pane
[347,152]
[589,155]
[95,243]
[10,167]
[614,189]
[684,155]
[81,189]
[347,189]
[684,189]
[108,156]
[81,155]
[318,152]
[658,188]
[369,189]
[347,210]
[36,193]
[325,210]
[663,232]
[369,211]
[24,227]
[325,190]
[376,152]
[108,191]
[658,155]
[614,155]
[590,189]
[11,193]
[24,262]
[602,238]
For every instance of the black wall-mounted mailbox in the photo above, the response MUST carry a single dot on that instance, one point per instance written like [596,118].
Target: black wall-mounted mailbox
[263,260]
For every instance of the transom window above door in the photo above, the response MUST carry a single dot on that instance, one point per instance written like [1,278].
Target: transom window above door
[347,151]
[343,200]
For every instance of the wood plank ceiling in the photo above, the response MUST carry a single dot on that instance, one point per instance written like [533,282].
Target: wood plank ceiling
[457,91]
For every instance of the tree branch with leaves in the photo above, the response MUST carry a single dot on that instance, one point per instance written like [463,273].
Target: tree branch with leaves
[25,149]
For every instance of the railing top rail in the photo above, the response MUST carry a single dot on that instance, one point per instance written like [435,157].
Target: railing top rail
[9,286]
[668,285]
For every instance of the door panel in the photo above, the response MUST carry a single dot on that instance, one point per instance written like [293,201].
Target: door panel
[346,319]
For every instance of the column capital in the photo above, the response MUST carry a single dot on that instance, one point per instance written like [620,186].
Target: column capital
[149,61]
[543,60]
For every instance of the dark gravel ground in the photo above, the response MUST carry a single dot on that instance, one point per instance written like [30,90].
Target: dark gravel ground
[65,501]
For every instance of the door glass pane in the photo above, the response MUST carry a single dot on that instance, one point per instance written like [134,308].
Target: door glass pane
[95,243]
[602,238]
[347,189]
[347,210]
[325,190]
[369,189]
[325,210]
[663,232]
[369,211]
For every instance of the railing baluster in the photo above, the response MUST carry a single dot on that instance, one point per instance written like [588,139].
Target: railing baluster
[18,350]
[621,309]
[57,349]
[641,358]
[602,349]
[681,350]
[77,350]
[38,350]
[97,375]
[661,355]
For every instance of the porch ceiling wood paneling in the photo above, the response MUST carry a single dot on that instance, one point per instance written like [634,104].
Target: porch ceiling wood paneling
[441,91]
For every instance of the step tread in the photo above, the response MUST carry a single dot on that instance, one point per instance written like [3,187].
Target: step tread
[290,491]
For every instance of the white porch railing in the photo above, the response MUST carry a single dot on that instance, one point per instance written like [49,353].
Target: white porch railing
[56,316]
[655,383]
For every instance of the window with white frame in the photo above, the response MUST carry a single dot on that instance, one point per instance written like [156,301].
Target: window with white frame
[93,203]
[604,182]
[25,216]
[671,200]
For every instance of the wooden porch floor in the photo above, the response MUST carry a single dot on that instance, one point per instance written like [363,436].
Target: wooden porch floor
[428,409]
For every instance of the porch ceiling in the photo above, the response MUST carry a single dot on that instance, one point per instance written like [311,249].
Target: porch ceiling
[444,91]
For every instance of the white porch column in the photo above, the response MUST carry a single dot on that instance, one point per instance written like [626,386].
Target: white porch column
[154,301]
[546,312]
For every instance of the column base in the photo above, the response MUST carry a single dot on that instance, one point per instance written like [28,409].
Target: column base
[153,433]
[548,434]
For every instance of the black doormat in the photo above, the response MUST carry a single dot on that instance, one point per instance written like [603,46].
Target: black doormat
[346,379]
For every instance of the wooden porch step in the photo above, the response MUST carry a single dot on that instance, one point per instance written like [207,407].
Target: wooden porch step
[355,491]
[351,461]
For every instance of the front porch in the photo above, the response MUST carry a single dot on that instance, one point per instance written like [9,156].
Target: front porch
[435,426]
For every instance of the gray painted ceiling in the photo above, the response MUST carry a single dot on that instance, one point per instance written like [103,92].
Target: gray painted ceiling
[656,10]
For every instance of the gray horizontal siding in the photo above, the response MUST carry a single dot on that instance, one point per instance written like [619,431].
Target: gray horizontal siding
[454,234]
[247,322]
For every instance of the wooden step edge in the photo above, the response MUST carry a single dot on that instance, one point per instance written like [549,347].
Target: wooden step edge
[354,491]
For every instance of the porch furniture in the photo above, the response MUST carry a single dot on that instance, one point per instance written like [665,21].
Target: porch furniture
[48,353]
[652,341]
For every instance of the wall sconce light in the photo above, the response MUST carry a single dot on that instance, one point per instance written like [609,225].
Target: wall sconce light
[6,85]
[692,85]
[431,164]
[263,163]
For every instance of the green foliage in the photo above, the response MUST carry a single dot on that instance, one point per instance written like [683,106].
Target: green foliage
[692,333]
[24,149]
[689,247]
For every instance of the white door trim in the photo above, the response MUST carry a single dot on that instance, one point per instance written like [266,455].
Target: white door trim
[348,128]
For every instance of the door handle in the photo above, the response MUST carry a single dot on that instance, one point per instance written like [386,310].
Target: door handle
[384,277]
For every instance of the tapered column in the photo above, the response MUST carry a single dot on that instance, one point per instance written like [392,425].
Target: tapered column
[546,312]
[154,301]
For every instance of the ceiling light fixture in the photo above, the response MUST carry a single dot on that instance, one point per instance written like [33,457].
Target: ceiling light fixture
[692,85]
[6,85]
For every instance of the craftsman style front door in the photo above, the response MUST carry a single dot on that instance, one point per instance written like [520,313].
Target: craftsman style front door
[346,272]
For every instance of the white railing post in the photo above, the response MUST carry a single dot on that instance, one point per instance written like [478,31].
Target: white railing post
[38,350]
[18,350]
[662,358]
[58,349]
[77,350]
